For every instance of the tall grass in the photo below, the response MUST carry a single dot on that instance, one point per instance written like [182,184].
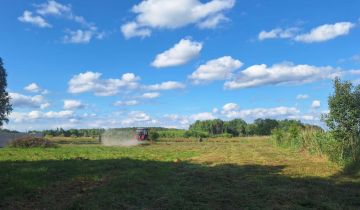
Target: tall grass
[315,141]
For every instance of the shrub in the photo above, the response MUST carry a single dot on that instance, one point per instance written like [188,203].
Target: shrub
[315,141]
[196,134]
[153,135]
[30,141]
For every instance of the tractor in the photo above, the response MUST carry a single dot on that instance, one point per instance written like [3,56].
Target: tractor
[141,134]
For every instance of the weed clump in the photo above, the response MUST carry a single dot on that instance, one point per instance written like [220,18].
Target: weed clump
[30,142]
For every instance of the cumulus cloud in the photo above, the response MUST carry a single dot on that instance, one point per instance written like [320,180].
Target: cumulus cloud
[135,117]
[174,118]
[79,36]
[217,69]
[326,32]
[38,115]
[302,96]
[232,110]
[278,33]
[23,101]
[35,20]
[169,85]
[283,73]
[150,95]
[52,8]
[318,34]
[203,116]
[173,14]
[315,104]
[73,104]
[132,29]
[181,53]
[33,87]
[126,103]
[92,82]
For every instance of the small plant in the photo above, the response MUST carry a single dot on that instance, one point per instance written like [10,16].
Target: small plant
[30,141]
[153,135]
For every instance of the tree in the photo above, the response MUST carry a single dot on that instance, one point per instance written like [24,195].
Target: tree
[236,127]
[343,118]
[5,106]
[265,126]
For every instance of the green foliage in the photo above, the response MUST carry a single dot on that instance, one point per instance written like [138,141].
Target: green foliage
[196,134]
[59,132]
[171,133]
[343,118]
[29,142]
[236,127]
[310,139]
[5,106]
[153,135]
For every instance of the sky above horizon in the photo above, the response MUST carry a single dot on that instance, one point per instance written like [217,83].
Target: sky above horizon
[90,64]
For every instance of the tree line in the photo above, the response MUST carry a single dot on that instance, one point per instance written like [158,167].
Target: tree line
[60,132]
[238,127]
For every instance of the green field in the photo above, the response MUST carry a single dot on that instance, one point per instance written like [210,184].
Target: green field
[237,173]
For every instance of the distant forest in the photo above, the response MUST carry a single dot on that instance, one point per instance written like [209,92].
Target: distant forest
[206,128]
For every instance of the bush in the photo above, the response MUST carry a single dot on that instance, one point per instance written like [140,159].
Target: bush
[196,134]
[29,142]
[315,141]
[153,135]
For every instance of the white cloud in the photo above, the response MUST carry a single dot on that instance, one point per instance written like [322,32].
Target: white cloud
[169,85]
[132,29]
[92,82]
[19,100]
[136,117]
[302,96]
[33,87]
[73,104]
[38,115]
[28,17]
[151,95]
[53,8]
[45,106]
[326,32]
[278,33]
[126,103]
[174,118]
[213,21]
[316,104]
[79,36]
[203,116]
[217,69]
[173,14]
[181,53]
[232,110]
[283,73]
[318,34]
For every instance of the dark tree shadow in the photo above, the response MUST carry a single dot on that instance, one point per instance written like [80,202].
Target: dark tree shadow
[138,184]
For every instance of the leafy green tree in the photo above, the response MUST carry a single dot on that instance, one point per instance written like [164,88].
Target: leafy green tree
[5,106]
[343,118]
[236,127]
[265,126]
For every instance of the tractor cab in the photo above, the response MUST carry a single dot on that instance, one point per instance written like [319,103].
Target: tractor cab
[141,134]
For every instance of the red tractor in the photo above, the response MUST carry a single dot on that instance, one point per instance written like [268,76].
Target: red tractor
[141,134]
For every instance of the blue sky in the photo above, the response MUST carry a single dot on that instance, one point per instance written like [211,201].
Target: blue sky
[79,64]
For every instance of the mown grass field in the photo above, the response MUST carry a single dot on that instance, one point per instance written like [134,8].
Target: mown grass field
[237,173]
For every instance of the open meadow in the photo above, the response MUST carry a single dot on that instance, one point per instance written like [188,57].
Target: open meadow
[234,173]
